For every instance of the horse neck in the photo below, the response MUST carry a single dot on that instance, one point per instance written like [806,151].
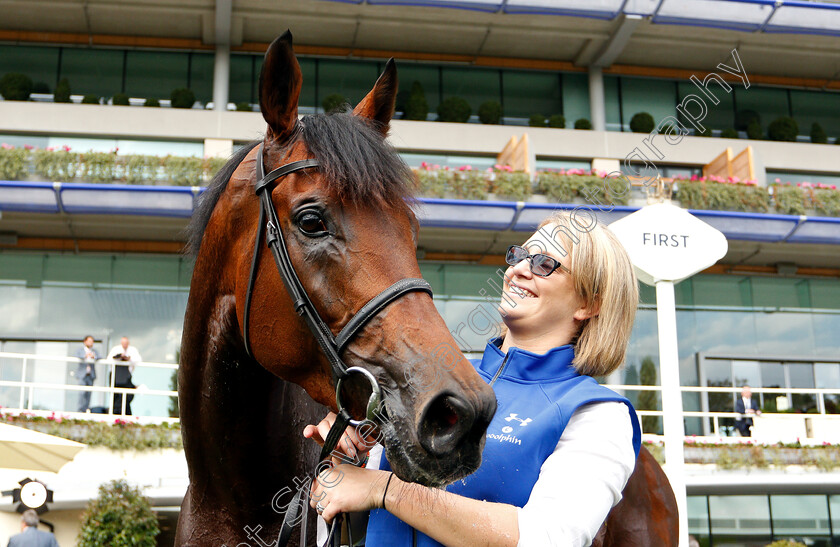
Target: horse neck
[242,426]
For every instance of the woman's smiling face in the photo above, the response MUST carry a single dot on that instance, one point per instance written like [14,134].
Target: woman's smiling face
[533,305]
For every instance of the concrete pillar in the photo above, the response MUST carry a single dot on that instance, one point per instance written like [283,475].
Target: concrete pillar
[221,77]
[597,108]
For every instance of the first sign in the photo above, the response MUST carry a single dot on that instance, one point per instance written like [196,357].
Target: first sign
[666,243]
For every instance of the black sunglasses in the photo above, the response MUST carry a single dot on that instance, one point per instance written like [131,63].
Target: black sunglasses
[541,264]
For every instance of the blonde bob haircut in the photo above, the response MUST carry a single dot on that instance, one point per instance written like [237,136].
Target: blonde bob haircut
[604,278]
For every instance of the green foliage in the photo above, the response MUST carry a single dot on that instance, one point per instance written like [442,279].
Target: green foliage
[558,188]
[151,101]
[558,121]
[707,132]
[818,134]
[434,183]
[15,86]
[56,165]
[563,188]
[648,400]
[642,122]
[119,517]
[490,112]
[744,117]
[120,99]
[183,171]
[41,87]
[244,107]
[98,166]
[721,196]
[334,103]
[783,129]
[537,120]
[13,163]
[785,543]
[416,106]
[62,91]
[138,169]
[470,184]
[512,185]
[754,131]
[174,409]
[90,99]
[182,98]
[454,109]
[790,200]
[583,123]
[728,134]
[827,202]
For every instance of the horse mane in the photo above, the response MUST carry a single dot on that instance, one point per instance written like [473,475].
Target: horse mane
[355,160]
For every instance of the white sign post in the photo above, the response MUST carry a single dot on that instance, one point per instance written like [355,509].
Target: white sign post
[666,245]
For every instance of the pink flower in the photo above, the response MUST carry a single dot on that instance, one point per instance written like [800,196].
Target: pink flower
[28,146]
[508,168]
[778,180]
[65,148]
[50,148]
[424,165]
[435,167]
[7,146]
[497,167]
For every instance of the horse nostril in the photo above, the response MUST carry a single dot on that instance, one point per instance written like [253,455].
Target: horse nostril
[445,421]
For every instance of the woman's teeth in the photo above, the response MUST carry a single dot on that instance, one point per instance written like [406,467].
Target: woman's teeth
[522,292]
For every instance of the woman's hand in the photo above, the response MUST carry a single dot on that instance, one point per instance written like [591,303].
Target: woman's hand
[346,488]
[350,444]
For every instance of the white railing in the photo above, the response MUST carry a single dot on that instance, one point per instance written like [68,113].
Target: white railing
[25,400]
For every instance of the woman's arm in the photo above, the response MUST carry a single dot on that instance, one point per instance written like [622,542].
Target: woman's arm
[446,517]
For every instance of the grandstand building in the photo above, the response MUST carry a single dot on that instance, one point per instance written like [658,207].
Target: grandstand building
[91,220]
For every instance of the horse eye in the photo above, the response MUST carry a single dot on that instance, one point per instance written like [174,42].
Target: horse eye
[312,224]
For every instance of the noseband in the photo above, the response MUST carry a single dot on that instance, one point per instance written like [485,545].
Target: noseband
[332,346]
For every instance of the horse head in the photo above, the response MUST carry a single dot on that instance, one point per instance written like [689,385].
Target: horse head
[350,233]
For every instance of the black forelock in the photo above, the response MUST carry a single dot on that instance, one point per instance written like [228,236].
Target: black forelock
[354,159]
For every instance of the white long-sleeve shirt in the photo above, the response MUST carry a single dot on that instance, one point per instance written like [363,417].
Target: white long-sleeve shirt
[579,482]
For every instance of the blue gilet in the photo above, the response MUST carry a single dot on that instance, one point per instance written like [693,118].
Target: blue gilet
[536,396]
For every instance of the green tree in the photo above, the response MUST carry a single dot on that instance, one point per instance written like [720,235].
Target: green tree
[642,122]
[334,102]
[454,109]
[62,91]
[118,517]
[583,123]
[818,134]
[416,106]
[648,400]
[631,378]
[490,112]
[15,86]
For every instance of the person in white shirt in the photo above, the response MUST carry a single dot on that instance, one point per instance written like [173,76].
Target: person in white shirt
[568,308]
[128,354]
[746,407]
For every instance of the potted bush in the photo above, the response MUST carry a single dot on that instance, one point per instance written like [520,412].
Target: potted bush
[728,134]
[454,109]
[818,134]
[90,99]
[416,106]
[15,86]
[334,102]
[244,107]
[744,117]
[642,122]
[490,112]
[119,517]
[557,121]
[62,92]
[783,129]
[151,101]
[182,98]
[754,130]
[583,123]
[536,120]
[120,99]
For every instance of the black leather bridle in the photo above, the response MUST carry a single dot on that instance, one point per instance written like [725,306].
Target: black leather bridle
[332,346]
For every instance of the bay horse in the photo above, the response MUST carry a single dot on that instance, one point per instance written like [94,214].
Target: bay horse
[350,234]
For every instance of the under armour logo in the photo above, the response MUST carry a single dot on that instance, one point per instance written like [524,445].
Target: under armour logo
[522,422]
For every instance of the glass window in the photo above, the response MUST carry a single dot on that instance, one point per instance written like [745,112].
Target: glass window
[201,76]
[816,106]
[800,516]
[770,103]
[718,116]
[527,93]
[698,518]
[780,293]
[350,79]
[772,375]
[93,71]
[802,375]
[308,90]
[746,372]
[39,63]
[825,293]
[429,78]
[243,81]
[656,97]
[475,85]
[724,331]
[155,73]
[612,105]
[575,97]
[784,333]
[828,377]
[740,520]
[834,509]
[721,290]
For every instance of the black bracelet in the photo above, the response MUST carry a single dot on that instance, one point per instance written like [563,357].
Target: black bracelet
[387,484]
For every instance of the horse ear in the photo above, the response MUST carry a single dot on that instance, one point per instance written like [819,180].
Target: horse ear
[378,105]
[280,81]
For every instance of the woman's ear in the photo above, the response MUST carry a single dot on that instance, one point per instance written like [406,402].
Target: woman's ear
[588,311]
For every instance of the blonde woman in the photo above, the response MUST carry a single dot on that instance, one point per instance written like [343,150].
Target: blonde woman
[560,448]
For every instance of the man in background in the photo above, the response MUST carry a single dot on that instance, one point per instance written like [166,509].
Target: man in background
[747,407]
[29,535]
[128,354]
[86,370]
